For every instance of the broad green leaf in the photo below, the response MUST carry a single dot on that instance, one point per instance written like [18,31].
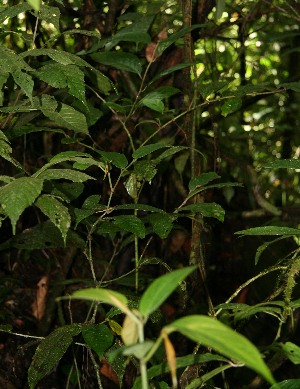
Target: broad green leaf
[95,34]
[269,230]
[89,207]
[117,159]
[231,105]
[50,351]
[249,311]
[62,76]
[147,149]
[145,170]
[18,195]
[50,15]
[206,209]
[216,335]
[67,191]
[283,164]
[287,384]
[292,351]
[170,70]
[57,213]
[161,224]
[202,180]
[155,104]
[100,81]
[35,4]
[59,56]
[24,81]
[6,179]
[161,288]
[43,236]
[130,223]
[139,350]
[119,60]
[65,174]
[11,11]
[103,295]
[98,337]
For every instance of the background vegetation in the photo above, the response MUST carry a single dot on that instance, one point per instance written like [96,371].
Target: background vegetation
[149,195]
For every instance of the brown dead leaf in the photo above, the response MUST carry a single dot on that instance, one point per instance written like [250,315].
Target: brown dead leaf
[39,305]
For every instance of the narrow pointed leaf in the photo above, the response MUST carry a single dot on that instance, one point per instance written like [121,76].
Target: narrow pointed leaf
[287,384]
[216,335]
[131,223]
[269,230]
[148,149]
[161,289]
[18,195]
[283,164]
[202,180]
[119,60]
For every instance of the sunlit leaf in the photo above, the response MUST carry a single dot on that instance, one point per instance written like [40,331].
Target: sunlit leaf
[292,351]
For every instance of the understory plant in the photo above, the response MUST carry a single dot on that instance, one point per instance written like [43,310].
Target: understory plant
[105,161]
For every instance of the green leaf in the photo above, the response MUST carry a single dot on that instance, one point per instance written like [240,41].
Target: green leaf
[43,236]
[98,337]
[161,288]
[216,335]
[295,86]
[154,99]
[57,213]
[61,76]
[168,153]
[202,180]
[220,8]
[65,174]
[263,247]
[50,351]
[59,56]
[119,60]
[99,80]
[11,11]
[18,195]
[287,384]
[139,207]
[161,224]
[230,106]
[117,159]
[50,15]
[24,81]
[147,149]
[269,230]
[283,164]
[206,209]
[207,89]
[292,351]
[155,104]
[102,295]
[145,170]
[131,223]
[171,70]
[131,36]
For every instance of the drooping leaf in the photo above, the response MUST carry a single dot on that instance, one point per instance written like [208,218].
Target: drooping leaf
[11,11]
[206,209]
[169,153]
[202,180]
[131,36]
[147,149]
[269,230]
[18,195]
[62,76]
[43,236]
[139,207]
[130,331]
[98,337]
[24,81]
[207,89]
[103,295]
[283,164]
[65,174]
[263,247]
[99,80]
[130,223]
[57,213]
[216,335]
[295,86]
[154,100]
[161,288]
[59,56]
[161,224]
[50,351]
[231,105]
[119,60]
[145,170]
